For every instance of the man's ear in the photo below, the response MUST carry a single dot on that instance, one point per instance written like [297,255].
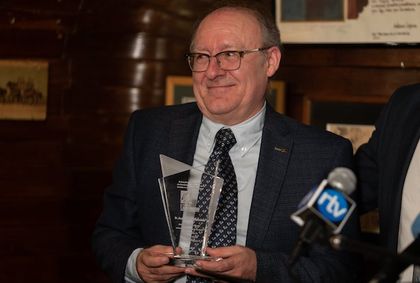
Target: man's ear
[273,60]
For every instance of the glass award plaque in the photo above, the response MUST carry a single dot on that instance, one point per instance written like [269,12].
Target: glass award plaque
[189,217]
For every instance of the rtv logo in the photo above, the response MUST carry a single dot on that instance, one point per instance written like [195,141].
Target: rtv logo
[332,205]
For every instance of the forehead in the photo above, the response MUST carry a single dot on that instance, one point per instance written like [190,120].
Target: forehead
[228,27]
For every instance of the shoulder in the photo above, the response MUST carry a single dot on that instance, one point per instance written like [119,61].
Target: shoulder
[409,89]
[402,107]
[164,114]
[406,95]
[158,121]
[319,138]
[180,110]
[305,134]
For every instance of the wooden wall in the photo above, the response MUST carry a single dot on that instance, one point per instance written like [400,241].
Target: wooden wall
[360,74]
[107,58]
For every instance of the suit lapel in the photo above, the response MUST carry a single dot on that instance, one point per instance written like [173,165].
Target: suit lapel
[276,147]
[405,154]
[409,130]
[406,150]
[403,138]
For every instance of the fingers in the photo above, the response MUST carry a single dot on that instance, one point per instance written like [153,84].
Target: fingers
[223,252]
[236,261]
[154,256]
[222,265]
[161,274]
[152,264]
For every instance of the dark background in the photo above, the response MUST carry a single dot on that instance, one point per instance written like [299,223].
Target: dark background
[107,58]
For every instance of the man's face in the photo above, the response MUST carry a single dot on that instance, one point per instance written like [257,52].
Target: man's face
[231,97]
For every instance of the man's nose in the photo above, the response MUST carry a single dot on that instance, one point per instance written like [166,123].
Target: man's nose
[214,69]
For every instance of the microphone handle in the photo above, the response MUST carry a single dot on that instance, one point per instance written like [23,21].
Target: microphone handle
[313,229]
[340,242]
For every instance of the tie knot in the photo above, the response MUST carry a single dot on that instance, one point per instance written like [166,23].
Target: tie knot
[225,139]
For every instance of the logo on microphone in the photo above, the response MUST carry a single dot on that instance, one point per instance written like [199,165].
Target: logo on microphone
[332,205]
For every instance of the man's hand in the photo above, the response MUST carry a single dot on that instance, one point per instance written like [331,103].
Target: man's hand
[152,265]
[231,262]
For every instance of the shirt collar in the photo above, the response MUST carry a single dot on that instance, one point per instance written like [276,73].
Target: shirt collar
[247,133]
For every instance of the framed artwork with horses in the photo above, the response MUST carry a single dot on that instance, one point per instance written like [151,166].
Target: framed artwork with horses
[23,89]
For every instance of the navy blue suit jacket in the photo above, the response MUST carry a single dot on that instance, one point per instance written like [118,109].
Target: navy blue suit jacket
[293,159]
[383,162]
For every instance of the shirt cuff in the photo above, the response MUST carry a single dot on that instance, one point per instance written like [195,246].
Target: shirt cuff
[131,275]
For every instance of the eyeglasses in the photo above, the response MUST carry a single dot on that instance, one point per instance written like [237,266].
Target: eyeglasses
[229,60]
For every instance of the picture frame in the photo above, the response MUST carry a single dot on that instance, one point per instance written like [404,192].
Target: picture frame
[23,89]
[348,21]
[179,90]
[319,110]
[357,134]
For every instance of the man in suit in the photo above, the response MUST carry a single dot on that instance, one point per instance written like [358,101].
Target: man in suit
[388,170]
[234,51]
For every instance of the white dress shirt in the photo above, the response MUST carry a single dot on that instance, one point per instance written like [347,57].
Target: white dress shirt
[410,208]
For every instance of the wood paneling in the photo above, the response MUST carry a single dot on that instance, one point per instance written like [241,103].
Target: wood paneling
[106,59]
[352,73]
[141,45]
[378,56]
[120,72]
[30,44]
[342,81]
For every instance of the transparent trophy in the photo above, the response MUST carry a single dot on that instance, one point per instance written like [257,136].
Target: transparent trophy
[189,227]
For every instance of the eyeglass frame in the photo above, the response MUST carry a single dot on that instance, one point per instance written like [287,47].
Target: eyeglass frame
[241,53]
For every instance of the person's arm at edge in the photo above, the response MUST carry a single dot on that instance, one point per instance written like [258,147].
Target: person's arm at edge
[115,236]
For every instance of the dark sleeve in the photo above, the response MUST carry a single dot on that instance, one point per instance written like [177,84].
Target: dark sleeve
[116,235]
[320,263]
[368,161]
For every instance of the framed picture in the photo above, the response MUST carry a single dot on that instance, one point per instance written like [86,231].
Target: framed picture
[179,90]
[23,90]
[348,21]
[356,133]
[319,110]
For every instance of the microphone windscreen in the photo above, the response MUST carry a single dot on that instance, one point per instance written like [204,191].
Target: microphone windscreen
[415,228]
[343,179]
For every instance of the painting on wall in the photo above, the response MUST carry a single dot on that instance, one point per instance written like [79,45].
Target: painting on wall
[348,21]
[179,90]
[23,90]
[319,10]
[357,134]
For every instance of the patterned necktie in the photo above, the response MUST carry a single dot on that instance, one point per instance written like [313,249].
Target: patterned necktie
[223,232]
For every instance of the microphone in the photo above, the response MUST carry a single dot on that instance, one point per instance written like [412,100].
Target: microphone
[415,228]
[325,209]
[395,265]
